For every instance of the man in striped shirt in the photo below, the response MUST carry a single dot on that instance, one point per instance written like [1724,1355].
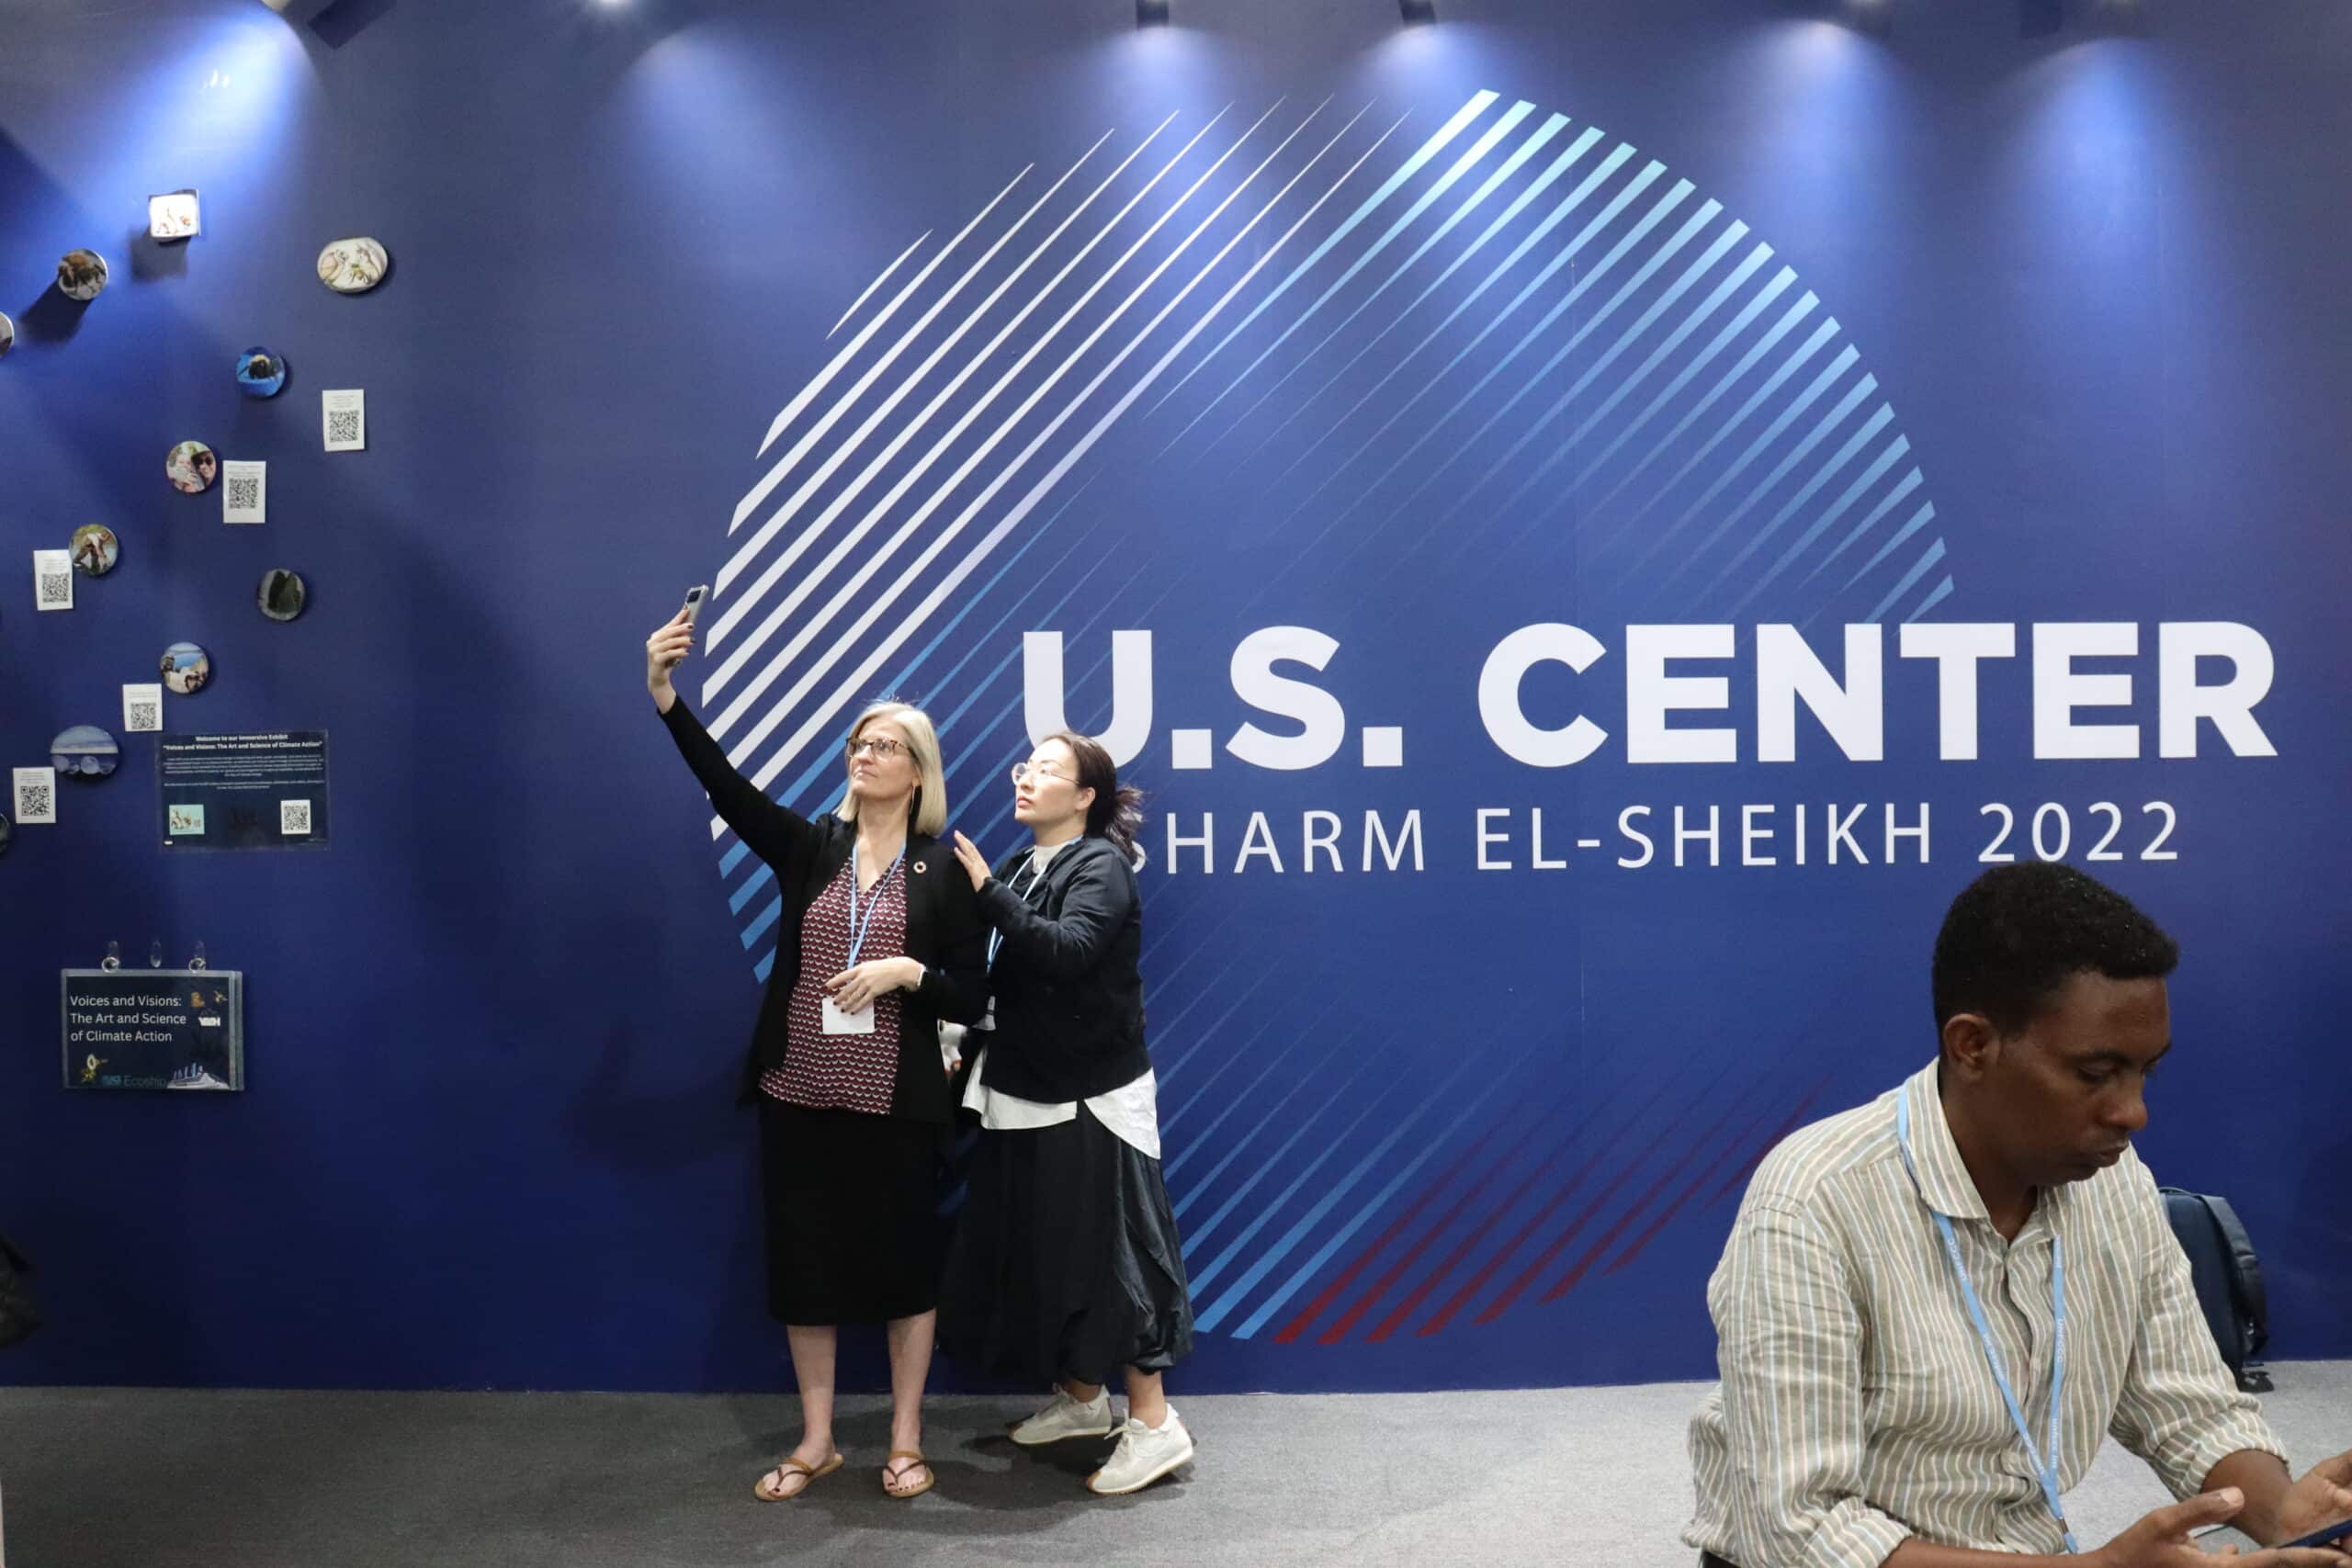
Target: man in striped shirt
[1861,1419]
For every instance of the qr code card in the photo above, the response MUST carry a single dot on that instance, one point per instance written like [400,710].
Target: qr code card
[347,420]
[143,709]
[245,492]
[54,580]
[36,795]
[293,819]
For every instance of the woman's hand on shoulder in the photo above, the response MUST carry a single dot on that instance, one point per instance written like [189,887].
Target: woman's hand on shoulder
[975,866]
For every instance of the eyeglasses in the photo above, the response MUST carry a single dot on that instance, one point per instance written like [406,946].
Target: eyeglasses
[1023,772]
[882,745]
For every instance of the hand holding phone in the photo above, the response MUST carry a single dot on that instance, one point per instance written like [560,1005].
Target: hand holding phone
[2326,1534]
[670,644]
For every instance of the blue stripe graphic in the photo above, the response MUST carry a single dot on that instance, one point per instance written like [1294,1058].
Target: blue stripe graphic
[1691,323]
[1338,1238]
[1811,488]
[1943,592]
[1788,322]
[1919,570]
[1656,214]
[1268,1210]
[1911,481]
[1837,368]
[1648,319]
[1894,452]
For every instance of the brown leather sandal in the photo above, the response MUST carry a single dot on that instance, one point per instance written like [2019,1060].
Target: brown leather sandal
[760,1489]
[929,1478]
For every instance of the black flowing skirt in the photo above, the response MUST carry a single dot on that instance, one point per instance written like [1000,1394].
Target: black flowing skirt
[1065,1262]
[853,1233]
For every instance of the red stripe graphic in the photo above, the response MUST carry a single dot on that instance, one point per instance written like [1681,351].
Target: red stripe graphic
[1396,1271]
[1512,1292]
[1478,1283]
[1615,1233]
[1772,1140]
[1331,1291]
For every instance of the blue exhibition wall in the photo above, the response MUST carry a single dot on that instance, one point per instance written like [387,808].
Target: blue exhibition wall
[1591,522]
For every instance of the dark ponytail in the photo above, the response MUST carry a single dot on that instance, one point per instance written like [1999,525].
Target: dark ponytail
[1117,811]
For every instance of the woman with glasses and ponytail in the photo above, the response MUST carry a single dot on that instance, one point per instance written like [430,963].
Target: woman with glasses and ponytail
[878,940]
[1066,1266]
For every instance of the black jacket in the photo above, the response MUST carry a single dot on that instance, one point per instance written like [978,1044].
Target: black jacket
[944,929]
[1068,992]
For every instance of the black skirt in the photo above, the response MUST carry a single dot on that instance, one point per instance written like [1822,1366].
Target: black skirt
[1065,1262]
[853,1233]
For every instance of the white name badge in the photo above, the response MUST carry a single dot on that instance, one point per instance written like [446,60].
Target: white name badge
[840,1022]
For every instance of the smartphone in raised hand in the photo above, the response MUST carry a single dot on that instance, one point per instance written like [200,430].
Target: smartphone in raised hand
[695,596]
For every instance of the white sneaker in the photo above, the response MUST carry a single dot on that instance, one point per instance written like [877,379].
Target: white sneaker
[1062,1418]
[1143,1456]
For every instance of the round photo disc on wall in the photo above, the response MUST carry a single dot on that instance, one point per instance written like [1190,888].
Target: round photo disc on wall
[85,751]
[192,468]
[282,593]
[260,373]
[82,274]
[186,668]
[354,265]
[7,334]
[6,832]
[96,550]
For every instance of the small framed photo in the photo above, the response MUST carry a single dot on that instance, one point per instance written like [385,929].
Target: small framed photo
[175,215]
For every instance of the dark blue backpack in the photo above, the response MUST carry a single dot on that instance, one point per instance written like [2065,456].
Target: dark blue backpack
[2227,1276]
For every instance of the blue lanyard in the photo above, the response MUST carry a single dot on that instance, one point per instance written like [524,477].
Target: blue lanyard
[2044,1459]
[1037,875]
[857,926]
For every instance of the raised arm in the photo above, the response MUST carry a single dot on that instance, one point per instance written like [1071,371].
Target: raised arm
[774,831]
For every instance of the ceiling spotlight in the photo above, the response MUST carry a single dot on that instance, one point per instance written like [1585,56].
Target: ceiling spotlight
[297,10]
[1417,10]
[1151,13]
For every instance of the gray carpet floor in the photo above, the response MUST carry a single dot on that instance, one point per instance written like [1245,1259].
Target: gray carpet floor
[145,1478]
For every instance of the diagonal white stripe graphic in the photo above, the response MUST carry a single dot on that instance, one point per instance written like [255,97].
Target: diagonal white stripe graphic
[877,283]
[856,438]
[775,715]
[808,536]
[1560,165]
[1691,323]
[759,493]
[846,690]
[1429,148]
[1822,335]
[775,618]
[1658,258]
[1428,198]
[848,351]
[1617,159]
[1660,210]
[1486,187]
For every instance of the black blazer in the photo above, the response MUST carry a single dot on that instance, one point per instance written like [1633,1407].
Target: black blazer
[1068,992]
[944,929]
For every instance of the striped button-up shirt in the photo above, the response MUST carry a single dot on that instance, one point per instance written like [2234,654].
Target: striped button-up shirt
[1856,1408]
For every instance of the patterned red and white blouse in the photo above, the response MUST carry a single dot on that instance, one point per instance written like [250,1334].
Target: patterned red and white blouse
[850,1072]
